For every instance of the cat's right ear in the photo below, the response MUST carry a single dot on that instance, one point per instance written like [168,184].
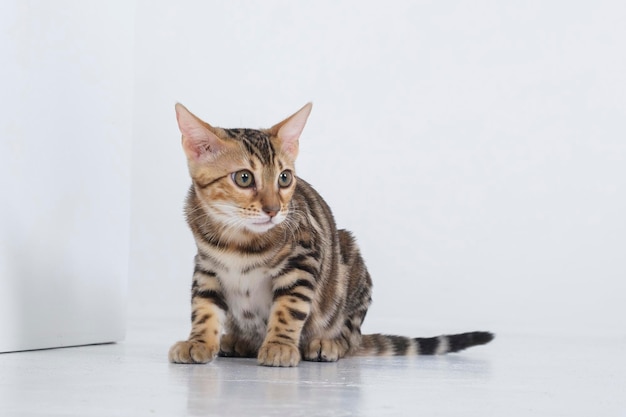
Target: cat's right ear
[199,142]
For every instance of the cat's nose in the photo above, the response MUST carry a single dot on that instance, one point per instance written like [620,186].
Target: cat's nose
[271,210]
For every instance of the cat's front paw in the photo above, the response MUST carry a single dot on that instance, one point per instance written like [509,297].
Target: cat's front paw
[192,352]
[278,354]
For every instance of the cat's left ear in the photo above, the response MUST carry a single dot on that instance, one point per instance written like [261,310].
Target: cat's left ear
[289,130]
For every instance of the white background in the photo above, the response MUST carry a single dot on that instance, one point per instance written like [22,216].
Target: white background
[476,149]
[66,90]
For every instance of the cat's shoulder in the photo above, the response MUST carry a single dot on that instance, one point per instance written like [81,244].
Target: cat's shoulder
[306,191]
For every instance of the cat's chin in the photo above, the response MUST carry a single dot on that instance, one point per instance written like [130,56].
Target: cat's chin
[261,227]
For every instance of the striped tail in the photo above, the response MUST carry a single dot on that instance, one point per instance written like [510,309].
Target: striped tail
[385,345]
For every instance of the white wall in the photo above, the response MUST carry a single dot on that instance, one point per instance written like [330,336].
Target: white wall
[477,149]
[65,145]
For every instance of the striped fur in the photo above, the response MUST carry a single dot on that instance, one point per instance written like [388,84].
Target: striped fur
[274,278]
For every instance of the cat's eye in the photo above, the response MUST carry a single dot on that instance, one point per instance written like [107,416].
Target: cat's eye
[243,178]
[285,178]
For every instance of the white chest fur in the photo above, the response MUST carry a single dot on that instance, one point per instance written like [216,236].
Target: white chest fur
[247,288]
[249,298]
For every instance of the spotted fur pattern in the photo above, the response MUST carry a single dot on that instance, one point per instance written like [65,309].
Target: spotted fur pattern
[274,278]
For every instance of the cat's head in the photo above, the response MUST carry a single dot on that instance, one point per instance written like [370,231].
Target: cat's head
[243,178]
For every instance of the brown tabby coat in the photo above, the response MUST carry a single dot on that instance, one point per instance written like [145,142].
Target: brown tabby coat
[273,277]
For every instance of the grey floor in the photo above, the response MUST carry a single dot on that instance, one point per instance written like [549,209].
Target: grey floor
[518,375]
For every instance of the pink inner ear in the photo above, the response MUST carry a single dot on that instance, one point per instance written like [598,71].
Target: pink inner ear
[202,142]
[192,148]
[291,149]
[291,129]
[198,140]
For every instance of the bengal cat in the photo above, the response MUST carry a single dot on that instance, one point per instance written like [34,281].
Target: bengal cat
[274,278]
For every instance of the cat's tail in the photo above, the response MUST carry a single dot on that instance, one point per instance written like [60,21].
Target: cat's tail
[386,345]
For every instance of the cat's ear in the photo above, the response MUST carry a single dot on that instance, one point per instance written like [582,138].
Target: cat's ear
[289,130]
[198,139]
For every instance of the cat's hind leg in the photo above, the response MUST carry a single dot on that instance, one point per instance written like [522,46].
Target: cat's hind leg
[331,349]
[232,346]
[325,350]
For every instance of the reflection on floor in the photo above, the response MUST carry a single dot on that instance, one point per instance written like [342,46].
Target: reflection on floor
[513,376]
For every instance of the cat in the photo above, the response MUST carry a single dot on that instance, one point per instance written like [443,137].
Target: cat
[274,278]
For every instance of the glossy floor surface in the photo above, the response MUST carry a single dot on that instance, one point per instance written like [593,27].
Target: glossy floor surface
[514,376]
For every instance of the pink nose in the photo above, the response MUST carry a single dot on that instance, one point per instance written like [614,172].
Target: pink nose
[271,211]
